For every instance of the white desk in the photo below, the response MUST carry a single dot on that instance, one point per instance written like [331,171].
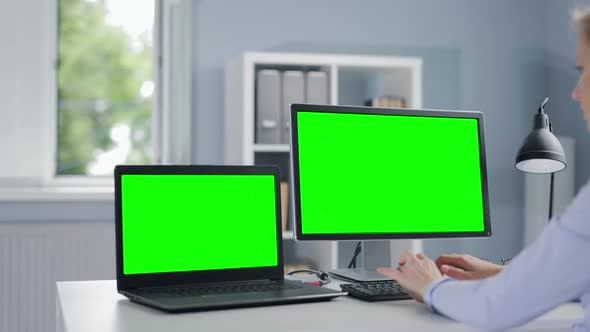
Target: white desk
[95,306]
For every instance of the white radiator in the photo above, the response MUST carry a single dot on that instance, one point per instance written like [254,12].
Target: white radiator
[34,256]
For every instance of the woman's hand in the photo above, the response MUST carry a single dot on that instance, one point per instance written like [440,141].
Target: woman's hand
[466,267]
[414,274]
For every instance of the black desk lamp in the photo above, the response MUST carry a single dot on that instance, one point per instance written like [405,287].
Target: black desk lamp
[541,152]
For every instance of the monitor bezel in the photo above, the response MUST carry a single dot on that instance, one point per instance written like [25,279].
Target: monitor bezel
[163,279]
[296,108]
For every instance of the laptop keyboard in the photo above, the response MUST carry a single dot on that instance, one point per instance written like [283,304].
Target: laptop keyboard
[219,289]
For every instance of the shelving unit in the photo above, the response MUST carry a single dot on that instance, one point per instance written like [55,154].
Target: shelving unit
[288,235]
[271,148]
[352,79]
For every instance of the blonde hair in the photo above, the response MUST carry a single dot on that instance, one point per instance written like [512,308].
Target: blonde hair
[581,19]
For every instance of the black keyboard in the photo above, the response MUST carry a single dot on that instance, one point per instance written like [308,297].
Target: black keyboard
[376,291]
[219,289]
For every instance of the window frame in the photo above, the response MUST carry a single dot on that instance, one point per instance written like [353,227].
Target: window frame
[171,118]
[171,115]
[50,178]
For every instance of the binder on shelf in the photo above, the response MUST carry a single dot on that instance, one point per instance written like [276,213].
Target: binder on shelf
[293,93]
[316,88]
[268,106]
[387,102]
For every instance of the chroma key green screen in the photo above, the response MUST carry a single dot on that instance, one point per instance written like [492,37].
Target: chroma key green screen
[176,222]
[374,173]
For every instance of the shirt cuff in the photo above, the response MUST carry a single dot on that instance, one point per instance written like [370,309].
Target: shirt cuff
[430,290]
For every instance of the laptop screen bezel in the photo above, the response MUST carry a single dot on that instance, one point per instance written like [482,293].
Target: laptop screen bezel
[133,281]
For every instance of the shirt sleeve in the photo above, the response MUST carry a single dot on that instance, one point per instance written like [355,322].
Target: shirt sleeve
[551,271]
[430,289]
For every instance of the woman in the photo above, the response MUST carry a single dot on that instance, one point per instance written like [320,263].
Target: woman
[553,270]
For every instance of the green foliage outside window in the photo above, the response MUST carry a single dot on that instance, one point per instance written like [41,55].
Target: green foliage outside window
[101,71]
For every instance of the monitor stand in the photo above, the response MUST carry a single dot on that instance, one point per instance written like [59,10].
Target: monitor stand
[373,255]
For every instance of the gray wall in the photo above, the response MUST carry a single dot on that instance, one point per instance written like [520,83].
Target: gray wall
[479,55]
[562,77]
[61,211]
[497,57]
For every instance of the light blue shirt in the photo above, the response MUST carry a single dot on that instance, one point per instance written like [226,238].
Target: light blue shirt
[553,270]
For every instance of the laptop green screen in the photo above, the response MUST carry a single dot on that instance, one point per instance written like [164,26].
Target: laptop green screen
[374,173]
[179,222]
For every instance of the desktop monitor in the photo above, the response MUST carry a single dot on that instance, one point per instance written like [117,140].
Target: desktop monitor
[362,173]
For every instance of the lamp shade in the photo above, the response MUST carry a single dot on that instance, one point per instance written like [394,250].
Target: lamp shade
[541,151]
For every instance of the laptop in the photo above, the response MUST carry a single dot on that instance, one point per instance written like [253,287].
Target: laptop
[203,237]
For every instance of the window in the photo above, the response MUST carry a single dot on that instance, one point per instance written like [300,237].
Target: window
[105,85]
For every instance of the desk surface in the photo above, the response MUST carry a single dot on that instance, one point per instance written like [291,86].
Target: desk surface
[91,306]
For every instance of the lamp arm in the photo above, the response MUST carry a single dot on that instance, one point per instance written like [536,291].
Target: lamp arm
[542,107]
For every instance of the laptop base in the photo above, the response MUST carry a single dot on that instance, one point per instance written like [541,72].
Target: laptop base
[303,293]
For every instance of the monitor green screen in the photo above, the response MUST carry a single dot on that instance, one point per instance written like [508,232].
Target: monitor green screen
[176,222]
[376,173]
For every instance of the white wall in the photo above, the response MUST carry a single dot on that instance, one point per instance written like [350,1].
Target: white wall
[25,68]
